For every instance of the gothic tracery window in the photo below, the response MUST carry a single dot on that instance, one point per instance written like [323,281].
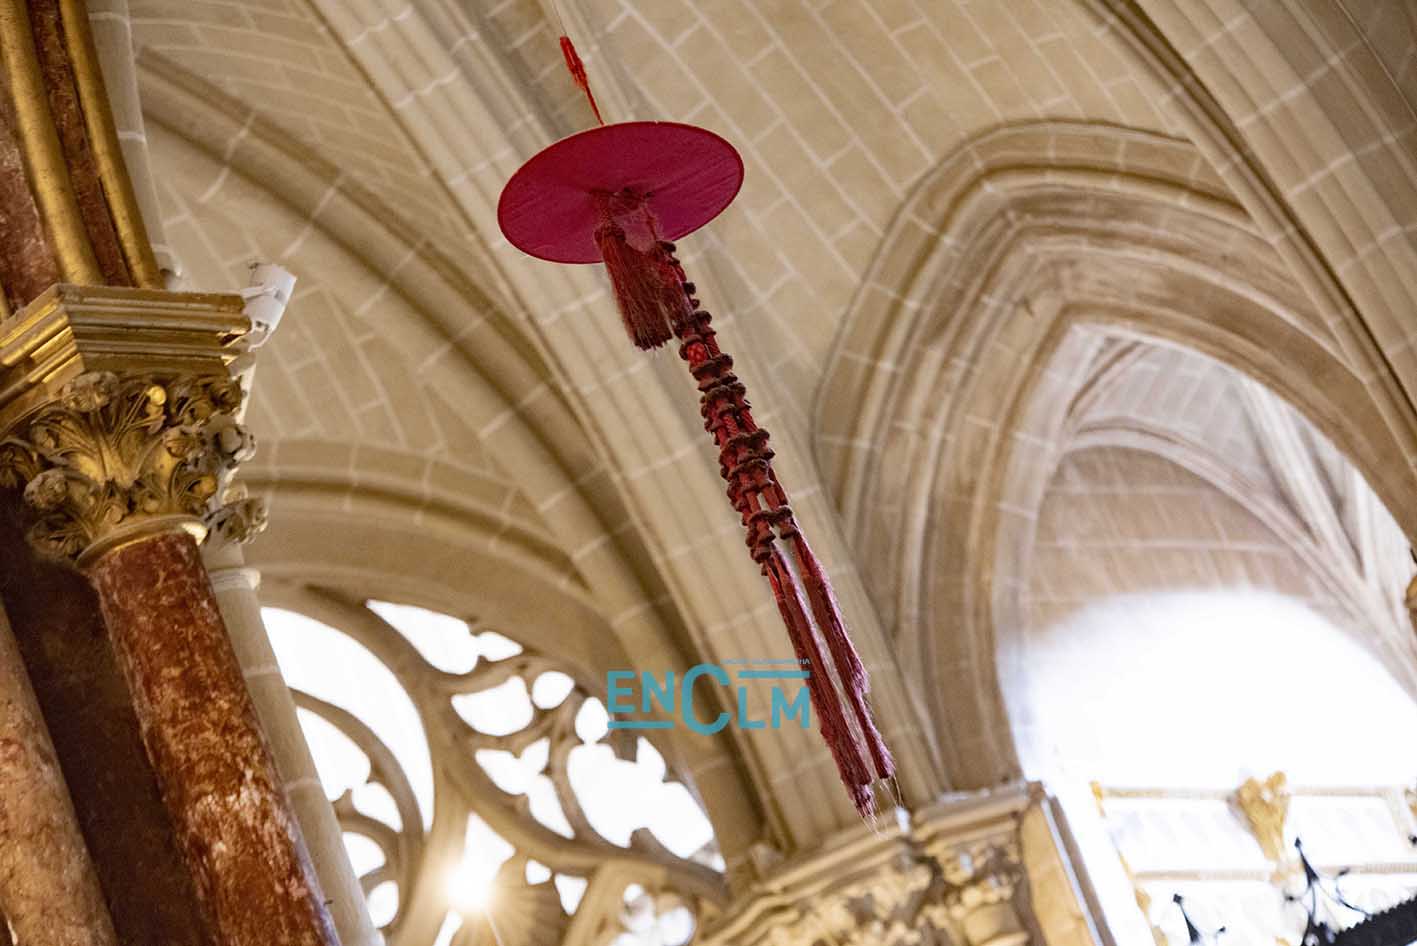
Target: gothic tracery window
[484,798]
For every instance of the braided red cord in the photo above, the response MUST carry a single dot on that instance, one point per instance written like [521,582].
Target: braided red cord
[800,586]
[656,299]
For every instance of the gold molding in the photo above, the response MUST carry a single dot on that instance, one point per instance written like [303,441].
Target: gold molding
[107,152]
[1139,893]
[70,330]
[39,142]
[137,531]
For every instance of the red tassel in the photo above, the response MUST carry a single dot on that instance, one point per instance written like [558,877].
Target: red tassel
[836,731]
[844,655]
[577,70]
[639,285]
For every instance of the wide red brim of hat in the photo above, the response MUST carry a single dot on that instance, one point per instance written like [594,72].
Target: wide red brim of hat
[689,175]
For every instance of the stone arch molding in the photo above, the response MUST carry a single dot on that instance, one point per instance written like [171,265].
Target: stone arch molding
[941,416]
[1313,133]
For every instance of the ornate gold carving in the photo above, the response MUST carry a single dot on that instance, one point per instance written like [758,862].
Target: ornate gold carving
[1264,806]
[113,454]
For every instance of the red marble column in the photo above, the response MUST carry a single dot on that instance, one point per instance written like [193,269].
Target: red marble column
[214,767]
[58,627]
[49,892]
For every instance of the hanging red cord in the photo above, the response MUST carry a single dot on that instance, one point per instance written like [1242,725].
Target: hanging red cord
[618,194]
[577,70]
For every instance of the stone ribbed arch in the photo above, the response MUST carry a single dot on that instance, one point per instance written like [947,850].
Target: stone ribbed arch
[1303,118]
[439,495]
[658,595]
[939,423]
[457,314]
[1359,612]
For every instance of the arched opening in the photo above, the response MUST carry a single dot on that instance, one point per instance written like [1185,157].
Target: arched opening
[479,787]
[1030,292]
[1212,594]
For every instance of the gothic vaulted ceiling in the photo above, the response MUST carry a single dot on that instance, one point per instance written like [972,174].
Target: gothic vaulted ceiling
[975,239]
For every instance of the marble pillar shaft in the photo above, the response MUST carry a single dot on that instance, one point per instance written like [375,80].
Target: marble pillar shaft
[59,630]
[234,825]
[48,890]
[235,586]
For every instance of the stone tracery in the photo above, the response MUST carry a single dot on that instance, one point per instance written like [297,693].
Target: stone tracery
[486,761]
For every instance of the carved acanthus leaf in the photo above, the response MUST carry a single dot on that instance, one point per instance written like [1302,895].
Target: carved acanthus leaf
[239,519]
[112,450]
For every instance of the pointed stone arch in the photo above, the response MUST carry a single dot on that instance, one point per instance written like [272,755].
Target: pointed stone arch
[938,421]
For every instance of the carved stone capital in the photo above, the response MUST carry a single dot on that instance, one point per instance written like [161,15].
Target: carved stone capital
[118,415]
[951,875]
[115,456]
